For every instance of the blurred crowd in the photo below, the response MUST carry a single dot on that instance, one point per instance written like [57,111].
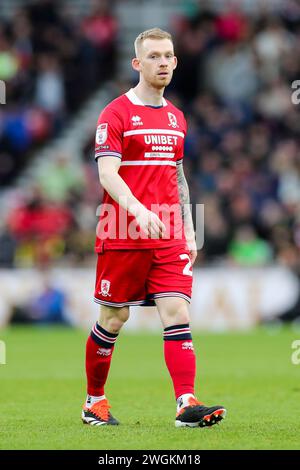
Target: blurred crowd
[242,157]
[50,60]
[242,149]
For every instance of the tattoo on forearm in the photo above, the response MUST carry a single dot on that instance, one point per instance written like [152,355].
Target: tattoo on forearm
[184,198]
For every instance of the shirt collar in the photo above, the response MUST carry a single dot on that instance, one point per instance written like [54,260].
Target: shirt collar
[136,100]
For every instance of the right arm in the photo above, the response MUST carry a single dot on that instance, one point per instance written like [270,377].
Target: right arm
[120,192]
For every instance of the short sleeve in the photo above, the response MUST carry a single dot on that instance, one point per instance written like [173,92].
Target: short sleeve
[109,134]
[180,151]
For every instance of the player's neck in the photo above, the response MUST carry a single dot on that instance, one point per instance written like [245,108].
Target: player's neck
[149,95]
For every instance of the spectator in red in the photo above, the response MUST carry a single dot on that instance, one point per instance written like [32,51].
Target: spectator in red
[101,29]
[40,218]
[232,24]
[42,226]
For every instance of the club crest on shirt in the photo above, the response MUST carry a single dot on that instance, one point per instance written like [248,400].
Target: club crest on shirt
[101,133]
[172,120]
[105,286]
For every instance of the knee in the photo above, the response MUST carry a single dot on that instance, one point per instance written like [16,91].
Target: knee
[177,316]
[113,325]
[181,317]
[112,319]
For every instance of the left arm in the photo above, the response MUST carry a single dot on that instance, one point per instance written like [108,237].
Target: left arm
[184,198]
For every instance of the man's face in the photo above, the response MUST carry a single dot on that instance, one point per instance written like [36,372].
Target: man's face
[156,62]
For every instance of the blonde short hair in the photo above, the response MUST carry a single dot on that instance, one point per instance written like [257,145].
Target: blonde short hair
[154,33]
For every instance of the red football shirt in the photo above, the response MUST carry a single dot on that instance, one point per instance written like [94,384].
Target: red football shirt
[149,141]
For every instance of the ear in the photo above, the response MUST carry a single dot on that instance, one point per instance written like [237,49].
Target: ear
[136,64]
[175,62]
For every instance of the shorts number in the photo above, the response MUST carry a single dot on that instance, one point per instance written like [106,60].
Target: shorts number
[187,269]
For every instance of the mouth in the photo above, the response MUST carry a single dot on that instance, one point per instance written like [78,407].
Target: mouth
[163,74]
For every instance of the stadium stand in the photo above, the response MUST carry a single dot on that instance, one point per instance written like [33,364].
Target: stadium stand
[234,83]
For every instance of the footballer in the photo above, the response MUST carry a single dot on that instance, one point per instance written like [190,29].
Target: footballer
[145,236]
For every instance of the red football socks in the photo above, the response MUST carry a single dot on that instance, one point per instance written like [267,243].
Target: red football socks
[180,358]
[178,350]
[99,349]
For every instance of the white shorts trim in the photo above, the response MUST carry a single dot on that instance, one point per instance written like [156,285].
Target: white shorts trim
[171,294]
[143,302]
[118,304]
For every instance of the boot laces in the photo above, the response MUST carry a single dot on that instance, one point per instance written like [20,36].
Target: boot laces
[194,402]
[101,409]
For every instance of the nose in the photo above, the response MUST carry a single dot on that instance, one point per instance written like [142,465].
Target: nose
[163,61]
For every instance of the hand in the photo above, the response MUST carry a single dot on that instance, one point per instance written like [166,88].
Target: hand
[150,223]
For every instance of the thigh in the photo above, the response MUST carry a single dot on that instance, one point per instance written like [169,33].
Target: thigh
[170,274]
[121,277]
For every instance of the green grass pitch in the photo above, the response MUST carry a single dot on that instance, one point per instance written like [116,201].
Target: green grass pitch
[42,388]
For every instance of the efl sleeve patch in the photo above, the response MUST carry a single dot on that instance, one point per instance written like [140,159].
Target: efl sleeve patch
[101,133]
[109,134]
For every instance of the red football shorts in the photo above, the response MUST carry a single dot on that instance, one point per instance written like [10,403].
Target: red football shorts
[137,277]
